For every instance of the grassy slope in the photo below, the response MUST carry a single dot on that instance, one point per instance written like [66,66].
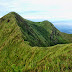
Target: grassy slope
[40,33]
[16,54]
[36,59]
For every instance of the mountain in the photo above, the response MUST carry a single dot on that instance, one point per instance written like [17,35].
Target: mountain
[36,33]
[64,26]
[23,46]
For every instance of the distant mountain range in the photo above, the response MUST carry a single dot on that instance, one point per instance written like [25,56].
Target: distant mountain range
[64,26]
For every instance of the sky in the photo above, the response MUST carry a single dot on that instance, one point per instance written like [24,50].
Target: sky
[36,10]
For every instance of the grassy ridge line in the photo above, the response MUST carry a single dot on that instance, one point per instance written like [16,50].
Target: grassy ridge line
[39,59]
[17,55]
[9,31]
[34,33]
[41,33]
[56,58]
[68,37]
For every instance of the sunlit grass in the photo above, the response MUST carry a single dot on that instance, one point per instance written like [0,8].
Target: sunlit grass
[23,46]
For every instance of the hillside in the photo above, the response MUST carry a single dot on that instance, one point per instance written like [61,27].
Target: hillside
[36,33]
[22,58]
[23,46]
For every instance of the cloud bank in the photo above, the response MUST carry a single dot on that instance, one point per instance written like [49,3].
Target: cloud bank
[38,9]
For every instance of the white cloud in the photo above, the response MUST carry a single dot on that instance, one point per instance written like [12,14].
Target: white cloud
[55,9]
[37,17]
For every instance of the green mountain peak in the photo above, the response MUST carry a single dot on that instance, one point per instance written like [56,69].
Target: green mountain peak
[36,33]
[27,46]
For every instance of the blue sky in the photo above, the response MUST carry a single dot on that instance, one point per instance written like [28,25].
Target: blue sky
[38,9]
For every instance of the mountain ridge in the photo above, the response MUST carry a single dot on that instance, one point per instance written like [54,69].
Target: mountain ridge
[37,33]
[23,46]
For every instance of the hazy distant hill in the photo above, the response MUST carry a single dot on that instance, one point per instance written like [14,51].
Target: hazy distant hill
[23,46]
[64,26]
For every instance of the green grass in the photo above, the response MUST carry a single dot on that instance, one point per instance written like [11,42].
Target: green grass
[42,59]
[40,34]
[23,46]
